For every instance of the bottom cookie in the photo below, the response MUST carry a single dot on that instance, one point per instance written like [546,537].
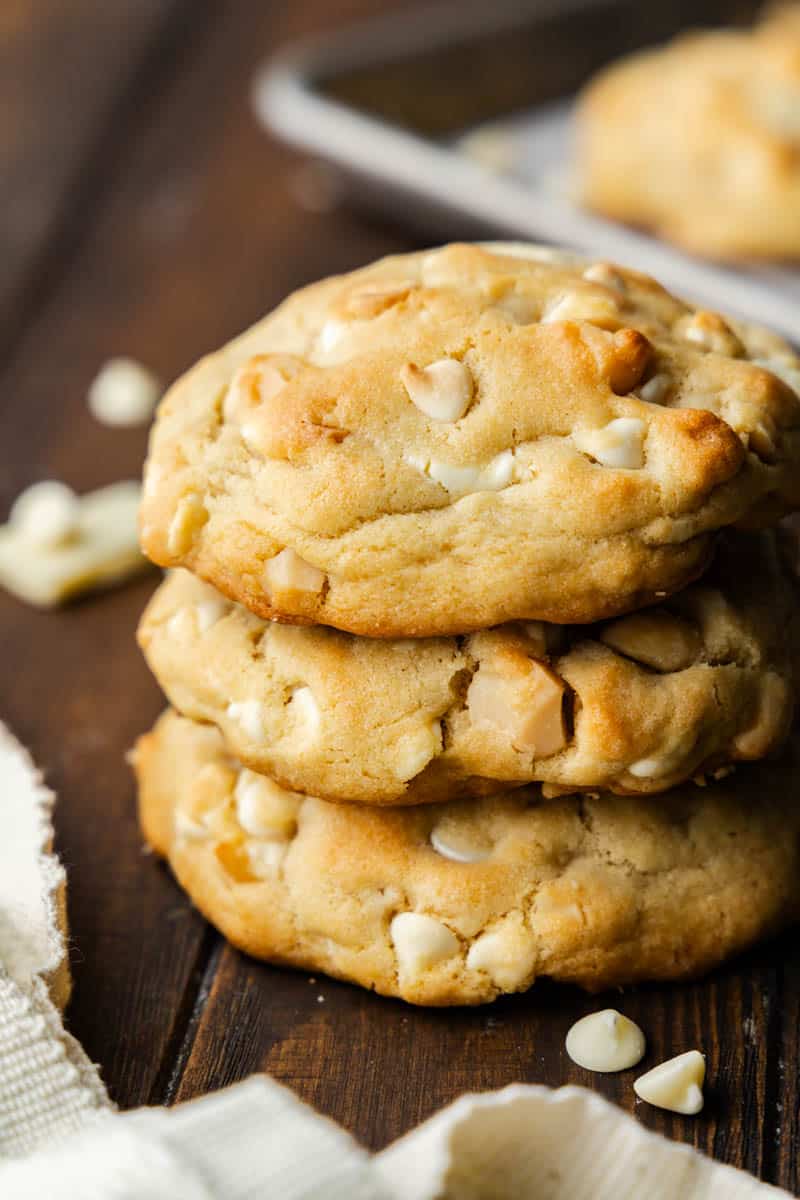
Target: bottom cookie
[460,902]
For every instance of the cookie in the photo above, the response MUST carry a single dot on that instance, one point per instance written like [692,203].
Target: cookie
[457,903]
[698,140]
[446,441]
[635,705]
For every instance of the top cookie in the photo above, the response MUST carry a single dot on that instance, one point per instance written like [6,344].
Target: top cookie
[698,140]
[449,440]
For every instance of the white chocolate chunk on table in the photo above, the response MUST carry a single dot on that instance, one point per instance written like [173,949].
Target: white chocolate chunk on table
[52,554]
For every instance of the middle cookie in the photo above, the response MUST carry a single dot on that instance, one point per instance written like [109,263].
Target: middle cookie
[634,705]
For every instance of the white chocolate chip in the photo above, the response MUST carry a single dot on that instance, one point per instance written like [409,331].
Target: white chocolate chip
[188,829]
[421,942]
[676,1085]
[103,549]
[590,305]
[518,307]
[655,390]
[605,1041]
[456,480]
[651,768]
[372,299]
[711,332]
[699,336]
[553,902]
[460,481]
[658,766]
[524,702]
[249,716]
[306,711]
[498,473]
[190,516]
[457,847]
[604,273]
[206,811]
[656,638]
[443,390]
[754,426]
[618,444]
[179,625]
[415,750]
[46,514]
[507,954]
[209,611]
[273,376]
[263,809]
[124,393]
[252,435]
[483,953]
[288,572]
[536,634]
[265,858]
[258,381]
[331,334]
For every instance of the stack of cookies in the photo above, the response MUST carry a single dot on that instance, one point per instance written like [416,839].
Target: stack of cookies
[478,606]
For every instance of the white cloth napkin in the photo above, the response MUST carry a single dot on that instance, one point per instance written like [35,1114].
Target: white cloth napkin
[32,881]
[256,1141]
[61,1140]
[48,1087]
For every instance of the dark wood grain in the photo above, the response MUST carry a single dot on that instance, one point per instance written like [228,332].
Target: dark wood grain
[783,1119]
[70,74]
[166,223]
[379,1066]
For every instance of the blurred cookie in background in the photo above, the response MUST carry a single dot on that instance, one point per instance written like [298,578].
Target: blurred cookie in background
[699,140]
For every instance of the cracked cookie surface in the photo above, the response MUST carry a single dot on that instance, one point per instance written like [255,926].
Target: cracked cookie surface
[458,903]
[698,140]
[449,440]
[635,705]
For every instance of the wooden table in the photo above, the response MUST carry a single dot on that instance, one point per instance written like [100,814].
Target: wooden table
[144,212]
